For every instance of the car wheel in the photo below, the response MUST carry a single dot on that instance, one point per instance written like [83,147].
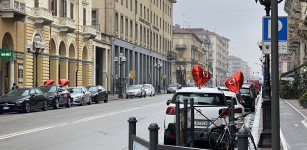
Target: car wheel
[131,97]
[90,101]
[45,106]
[106,99]
[27,107]
[68,104]
[126,97]
[141,95]
[151,94]
[56,103]
[97,100]
[82,102]
[144,95]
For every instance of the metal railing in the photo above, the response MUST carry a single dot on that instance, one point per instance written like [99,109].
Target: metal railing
[181,46]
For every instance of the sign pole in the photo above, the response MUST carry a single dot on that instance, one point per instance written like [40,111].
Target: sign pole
[275,83]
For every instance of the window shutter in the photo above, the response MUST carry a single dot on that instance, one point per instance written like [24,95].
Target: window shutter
[84,16]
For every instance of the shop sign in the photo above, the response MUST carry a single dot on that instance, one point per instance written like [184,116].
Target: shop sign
[20,73]
[6,54]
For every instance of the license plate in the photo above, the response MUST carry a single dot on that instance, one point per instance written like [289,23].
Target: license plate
[201,123]
[5,108]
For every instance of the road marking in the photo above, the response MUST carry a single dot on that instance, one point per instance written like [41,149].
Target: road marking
[283,141]
[295,124]
[71,122]
[296,109]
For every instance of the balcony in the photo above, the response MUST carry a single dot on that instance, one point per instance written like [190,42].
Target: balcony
[42,16]
[66,25]
[181,47]
[193,47]
[13,9]
[88,32]
[171,55]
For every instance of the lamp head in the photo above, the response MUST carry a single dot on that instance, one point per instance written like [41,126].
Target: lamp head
[28,45]
[37,38]
[42,45]
[115,59]
[124,58]
[37,44]
[155,65]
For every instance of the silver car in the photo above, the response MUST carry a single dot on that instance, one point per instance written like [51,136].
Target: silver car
[135,91]
[79,96]
[149,89]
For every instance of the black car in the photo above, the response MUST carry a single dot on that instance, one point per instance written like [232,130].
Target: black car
[23,100]
[171,88]
[249,96]
[98,93]
[57,96]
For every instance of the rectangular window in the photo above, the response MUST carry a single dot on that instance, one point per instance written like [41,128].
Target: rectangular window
[154,40]
[144,35]
[94,19]
[131,5]
[126,26]
[126,3]
[160,22]
[36,3]
[141,10]
[54,7]
[84,16]
[136,6]
[160,42]
[163,7]
[72,11]
[154,18]
[157,20]
[136,31]
[148,37]
[170,12]
[147,14]
[63,8]
[160,4]
[116,21]
[144,12]
[131,28]
[122,2]
[121,24]
[141,33]
[157,41]
[180,54]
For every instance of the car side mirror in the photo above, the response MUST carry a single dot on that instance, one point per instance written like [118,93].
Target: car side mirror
[168,102]
[83,91]
[99,89]
[32,95]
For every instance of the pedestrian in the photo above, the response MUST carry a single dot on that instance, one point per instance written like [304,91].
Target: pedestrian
[15,86]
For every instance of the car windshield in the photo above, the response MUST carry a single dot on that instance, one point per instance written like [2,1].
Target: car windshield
[134,87]
[47,89]
[191,85]
[203,99]
[92,88]
[172,85]
[74,90]
[21,92]
[244,91]
[146,86]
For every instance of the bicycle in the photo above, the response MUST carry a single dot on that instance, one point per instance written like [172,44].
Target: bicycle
[220,137]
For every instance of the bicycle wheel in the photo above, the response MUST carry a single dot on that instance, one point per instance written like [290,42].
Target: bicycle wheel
[251,139]
[218,138]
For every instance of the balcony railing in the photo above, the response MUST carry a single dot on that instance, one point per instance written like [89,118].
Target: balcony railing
[193,47]
[66,24]
[171,55]
[88,32]
[13,9]
[181,60]
[42,15]
[181,46]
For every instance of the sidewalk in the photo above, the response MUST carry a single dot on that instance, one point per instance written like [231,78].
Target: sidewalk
[295,104]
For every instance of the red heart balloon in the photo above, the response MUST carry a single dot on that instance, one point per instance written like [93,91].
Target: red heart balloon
[235,82]
[201,77]
[49,82]
[63,82]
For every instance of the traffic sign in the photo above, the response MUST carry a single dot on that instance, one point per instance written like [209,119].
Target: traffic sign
[170,77]
[282,29]
[116,76]
[282,47]
[164,76]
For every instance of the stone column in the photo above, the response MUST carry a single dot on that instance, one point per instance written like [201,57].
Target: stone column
[64,67]
[72,72]
[94,65]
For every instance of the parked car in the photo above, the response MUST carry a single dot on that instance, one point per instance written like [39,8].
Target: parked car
[171,88]
[135,91]
[149,89]
[57,96]
[249,96]
[23,100]
[212,99]
[80,96]
[192,85]
[98,93]
[239,108]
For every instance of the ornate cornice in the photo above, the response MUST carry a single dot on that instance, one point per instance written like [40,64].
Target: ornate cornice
[87,62]
[54,57]
[43,55]
[73,60]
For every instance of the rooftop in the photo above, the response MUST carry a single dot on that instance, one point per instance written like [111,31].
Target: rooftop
[197,90]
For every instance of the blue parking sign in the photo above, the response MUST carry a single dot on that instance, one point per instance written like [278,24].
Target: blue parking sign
[282,29]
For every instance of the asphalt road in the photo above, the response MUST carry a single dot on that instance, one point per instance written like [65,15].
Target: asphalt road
[101,126]
[293,126]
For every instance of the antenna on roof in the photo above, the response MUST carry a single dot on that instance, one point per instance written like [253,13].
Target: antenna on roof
[190,21]
[215,29]
[183,15]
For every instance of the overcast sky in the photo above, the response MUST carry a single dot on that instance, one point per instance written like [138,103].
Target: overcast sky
[238,20]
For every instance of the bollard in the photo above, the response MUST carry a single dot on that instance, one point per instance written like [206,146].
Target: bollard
[192,121]
[153,136]
[132,131]
[177,133]
[242,139]
[185,114]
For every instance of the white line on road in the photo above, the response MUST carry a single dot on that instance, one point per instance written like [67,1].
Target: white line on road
[72,122]
[283,141]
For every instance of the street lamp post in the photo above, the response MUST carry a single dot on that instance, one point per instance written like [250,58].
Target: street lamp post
[120,59]
[38,45]
[181,69]
[158,66]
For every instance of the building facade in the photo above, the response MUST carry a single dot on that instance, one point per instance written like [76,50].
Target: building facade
[189,49]
[142,31]
[237,64]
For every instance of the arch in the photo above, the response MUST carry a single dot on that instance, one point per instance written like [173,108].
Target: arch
[86,47]
[40,33]
[72,43]
[7,40]
[72,51]
[63,40]
[54,39]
